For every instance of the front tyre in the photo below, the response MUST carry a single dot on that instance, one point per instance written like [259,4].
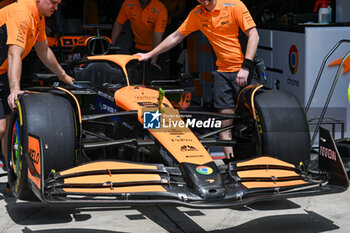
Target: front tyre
[50,119]
[17,172]
[280,130]
[283,127]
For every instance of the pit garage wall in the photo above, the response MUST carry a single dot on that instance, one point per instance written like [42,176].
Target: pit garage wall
[294,60]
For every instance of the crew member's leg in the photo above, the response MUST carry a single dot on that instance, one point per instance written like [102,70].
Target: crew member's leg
[4,113]
[226,135]
[2,132]
[224,97]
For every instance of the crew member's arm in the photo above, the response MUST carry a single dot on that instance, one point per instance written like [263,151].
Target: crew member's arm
[158,36]
[252,46]
[48,58]
[171,41]
[117,28]
[14,73]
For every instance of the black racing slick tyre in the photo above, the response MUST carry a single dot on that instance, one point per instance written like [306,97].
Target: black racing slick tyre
[49,120]
[283,127]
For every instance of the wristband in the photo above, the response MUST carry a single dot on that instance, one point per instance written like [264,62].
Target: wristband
[248,64]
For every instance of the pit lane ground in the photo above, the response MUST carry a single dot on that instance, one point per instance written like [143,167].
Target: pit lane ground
[328,213]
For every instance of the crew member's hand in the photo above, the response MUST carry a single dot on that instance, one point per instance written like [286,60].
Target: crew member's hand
[242,77]
[67,79]
[11,99]
[142,56]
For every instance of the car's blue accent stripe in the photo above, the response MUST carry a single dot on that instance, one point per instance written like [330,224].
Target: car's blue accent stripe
[228,4]
[130,5]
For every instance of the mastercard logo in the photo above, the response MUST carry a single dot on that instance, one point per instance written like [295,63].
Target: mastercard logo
[204,170]
[293,59]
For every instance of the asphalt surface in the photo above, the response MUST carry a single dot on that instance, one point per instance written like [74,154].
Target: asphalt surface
[327,213]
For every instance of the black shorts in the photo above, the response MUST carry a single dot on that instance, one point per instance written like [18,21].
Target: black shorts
[4,93]
[226,90]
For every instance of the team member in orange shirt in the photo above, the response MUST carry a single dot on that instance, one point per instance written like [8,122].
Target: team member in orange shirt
[219,21]
[148,19]
[22,27]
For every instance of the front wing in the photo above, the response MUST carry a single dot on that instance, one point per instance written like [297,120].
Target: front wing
[131,183]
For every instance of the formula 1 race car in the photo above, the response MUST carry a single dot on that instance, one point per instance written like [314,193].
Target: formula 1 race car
[110,140]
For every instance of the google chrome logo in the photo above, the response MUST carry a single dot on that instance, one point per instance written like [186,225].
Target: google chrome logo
[293,59]
[204,170]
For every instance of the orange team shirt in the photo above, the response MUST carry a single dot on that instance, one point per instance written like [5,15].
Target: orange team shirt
[24,28]
[144,22]
[221,27]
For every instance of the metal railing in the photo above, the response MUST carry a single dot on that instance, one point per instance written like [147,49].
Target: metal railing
[325,107]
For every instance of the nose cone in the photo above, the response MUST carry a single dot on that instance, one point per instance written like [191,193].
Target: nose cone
[204,180]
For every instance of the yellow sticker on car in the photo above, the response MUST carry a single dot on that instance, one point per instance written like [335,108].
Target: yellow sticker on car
[349,93]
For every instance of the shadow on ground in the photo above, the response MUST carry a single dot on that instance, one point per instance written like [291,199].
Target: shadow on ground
[170,218]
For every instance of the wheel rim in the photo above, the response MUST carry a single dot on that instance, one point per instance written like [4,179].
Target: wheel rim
[15,147]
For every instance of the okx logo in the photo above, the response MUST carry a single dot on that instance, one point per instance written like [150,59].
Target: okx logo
[151,120]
